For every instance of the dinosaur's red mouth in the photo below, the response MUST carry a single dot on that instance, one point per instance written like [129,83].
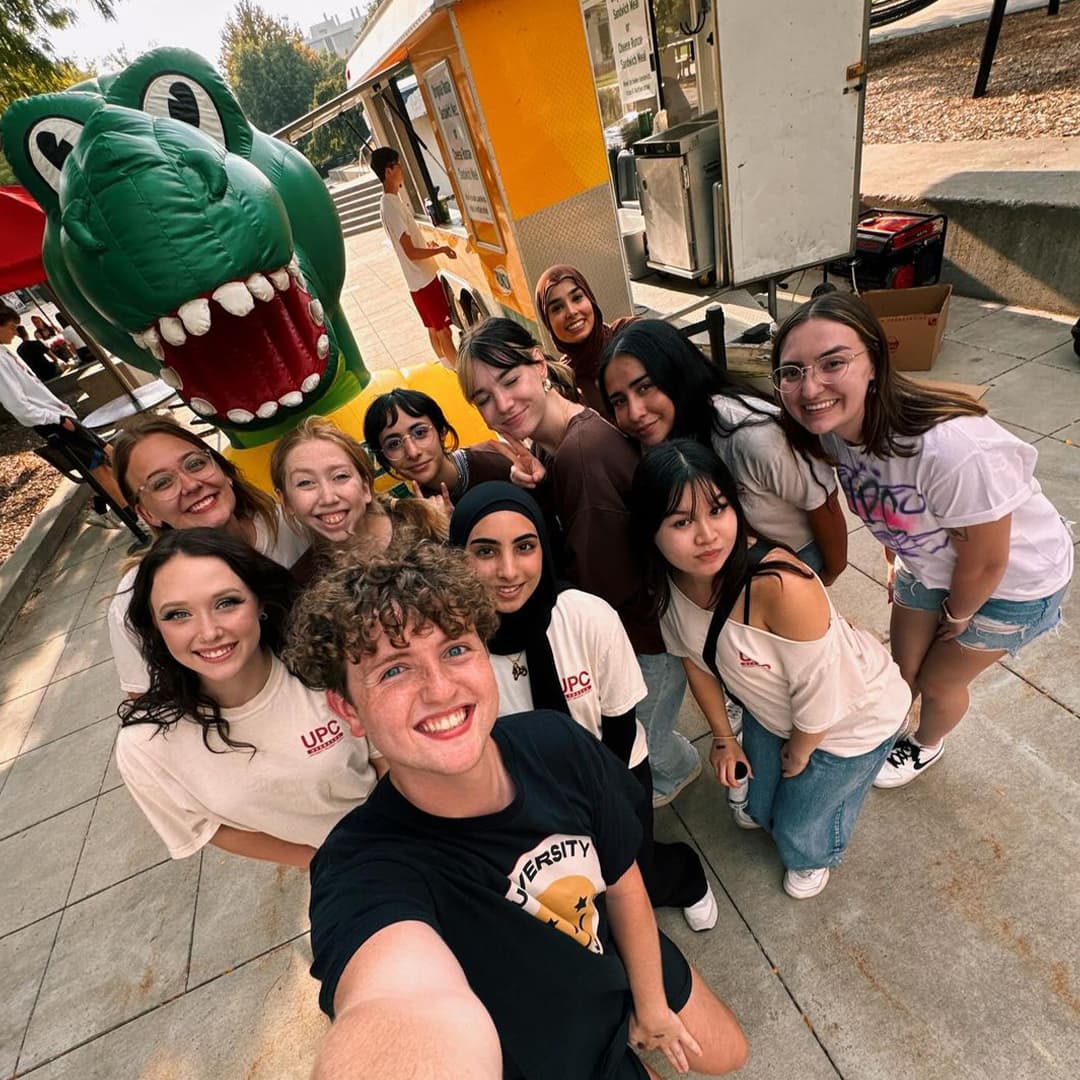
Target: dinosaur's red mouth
[206,347]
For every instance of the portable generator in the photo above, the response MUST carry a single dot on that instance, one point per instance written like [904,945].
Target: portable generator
[895,249]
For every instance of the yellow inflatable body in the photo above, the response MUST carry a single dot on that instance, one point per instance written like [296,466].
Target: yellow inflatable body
[435,380]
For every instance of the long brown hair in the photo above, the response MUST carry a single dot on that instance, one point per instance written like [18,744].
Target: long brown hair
[251,503]
[897,409]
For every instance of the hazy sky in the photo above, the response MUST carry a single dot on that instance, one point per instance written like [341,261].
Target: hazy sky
[191,24]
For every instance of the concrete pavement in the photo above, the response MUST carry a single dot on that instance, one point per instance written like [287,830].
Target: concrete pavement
[946,946]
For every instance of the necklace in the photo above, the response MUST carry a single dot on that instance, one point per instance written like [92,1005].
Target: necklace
[518,670]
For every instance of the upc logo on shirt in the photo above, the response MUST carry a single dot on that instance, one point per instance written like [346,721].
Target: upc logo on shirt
[322,738]
[575,686]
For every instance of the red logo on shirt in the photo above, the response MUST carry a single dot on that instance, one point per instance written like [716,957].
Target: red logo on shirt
[322,738]
[749,661]
[575,686]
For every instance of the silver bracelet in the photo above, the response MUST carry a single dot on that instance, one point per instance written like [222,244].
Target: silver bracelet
[949,616]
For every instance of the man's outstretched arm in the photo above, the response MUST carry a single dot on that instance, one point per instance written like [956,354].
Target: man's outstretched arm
[405,1008]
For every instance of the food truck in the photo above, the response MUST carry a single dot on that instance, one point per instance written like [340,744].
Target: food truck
[507,114]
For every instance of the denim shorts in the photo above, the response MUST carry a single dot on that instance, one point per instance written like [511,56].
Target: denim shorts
[1006,625]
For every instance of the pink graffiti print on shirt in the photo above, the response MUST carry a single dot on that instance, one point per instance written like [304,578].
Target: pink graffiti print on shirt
[896,514]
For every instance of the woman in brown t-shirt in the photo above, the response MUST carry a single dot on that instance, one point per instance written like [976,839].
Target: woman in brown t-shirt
[588,467]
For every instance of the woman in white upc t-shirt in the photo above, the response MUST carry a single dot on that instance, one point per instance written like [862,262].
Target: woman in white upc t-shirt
[658,385]
[227,747]
[175,481]
[565,649]
[822,700]
[979,559]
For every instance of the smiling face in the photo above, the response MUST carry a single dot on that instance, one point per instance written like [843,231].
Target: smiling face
[837,406]
[511,400]
[428,702]
[504,550]
[202,497]
[570,312]
[324,490]
[641,408]
[412,446]
[699,535]
[209,621]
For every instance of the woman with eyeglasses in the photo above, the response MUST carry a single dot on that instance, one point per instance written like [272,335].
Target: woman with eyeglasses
[175,481]
[226,746]
[659,386]
[412,439]
[979,559]
[325,482]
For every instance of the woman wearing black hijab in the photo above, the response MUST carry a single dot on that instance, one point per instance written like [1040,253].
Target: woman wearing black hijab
[563,649]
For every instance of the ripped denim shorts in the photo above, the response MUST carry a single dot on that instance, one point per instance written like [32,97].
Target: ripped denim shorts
[998,624]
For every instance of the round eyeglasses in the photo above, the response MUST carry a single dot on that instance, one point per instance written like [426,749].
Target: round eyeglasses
[165,484]
[787,378]
[394,445]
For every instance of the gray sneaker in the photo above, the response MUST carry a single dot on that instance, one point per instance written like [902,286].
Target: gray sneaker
[662,799]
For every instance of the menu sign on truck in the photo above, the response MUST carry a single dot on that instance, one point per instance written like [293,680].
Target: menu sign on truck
[458,143]
[631,43]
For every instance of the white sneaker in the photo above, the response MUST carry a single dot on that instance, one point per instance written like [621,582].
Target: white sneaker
[703,914]
[742,816]
[905,762]
[660,799]
[802,884]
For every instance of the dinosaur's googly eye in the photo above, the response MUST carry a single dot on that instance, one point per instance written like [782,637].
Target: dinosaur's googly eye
[184,99]
[49,143]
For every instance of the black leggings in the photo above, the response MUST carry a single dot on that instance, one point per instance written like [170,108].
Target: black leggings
[672,873]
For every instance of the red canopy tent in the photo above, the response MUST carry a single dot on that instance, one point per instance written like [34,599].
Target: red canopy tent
[23,226]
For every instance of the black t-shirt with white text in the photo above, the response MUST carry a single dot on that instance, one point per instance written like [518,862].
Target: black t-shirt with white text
[518,896]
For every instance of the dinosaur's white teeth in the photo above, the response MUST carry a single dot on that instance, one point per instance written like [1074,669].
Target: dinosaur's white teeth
[240,416]
[234,297]
[139,339]
[310,383]
[291,399]
[259,287]
[171,377]
[280,278]
[315,309]
[202,407]
[322,346]
[294,269]
[172,330]
[152,341]
[266,410]
[195,315]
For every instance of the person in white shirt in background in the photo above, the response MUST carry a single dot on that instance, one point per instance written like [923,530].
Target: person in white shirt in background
[75,341]
[414,255]
[226,747]
[979,559]
[175,481]
[34,405]
[823,702]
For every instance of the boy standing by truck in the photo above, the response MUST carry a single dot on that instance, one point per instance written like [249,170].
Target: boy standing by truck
[414,255]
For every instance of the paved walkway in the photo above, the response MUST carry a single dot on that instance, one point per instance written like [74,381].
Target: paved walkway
[956,956]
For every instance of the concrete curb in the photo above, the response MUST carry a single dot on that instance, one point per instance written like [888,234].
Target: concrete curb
[33,553]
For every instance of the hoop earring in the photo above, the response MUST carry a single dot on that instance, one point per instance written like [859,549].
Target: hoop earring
[262,616]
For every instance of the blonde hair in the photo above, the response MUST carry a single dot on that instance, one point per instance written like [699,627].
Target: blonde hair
[415,514]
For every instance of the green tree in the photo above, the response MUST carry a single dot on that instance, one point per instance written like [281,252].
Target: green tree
[340,140]
[272,72]
[26,52]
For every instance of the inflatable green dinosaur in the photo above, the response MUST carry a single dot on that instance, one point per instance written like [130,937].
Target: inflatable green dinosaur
[190,244]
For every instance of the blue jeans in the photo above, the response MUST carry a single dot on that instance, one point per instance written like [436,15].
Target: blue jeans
[998,624]
[812,557]
[811,816]
[671,755]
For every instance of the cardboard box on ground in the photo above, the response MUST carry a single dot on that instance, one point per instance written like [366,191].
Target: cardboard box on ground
[914,322]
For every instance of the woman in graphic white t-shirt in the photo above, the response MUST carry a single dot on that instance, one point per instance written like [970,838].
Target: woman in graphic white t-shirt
[225,746]
[822,700]
[175,481]
[979,558]
[564,649]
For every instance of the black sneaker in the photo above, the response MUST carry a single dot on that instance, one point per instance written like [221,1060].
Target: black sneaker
[906,761]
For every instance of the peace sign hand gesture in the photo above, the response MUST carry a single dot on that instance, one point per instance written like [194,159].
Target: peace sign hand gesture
[525,468]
